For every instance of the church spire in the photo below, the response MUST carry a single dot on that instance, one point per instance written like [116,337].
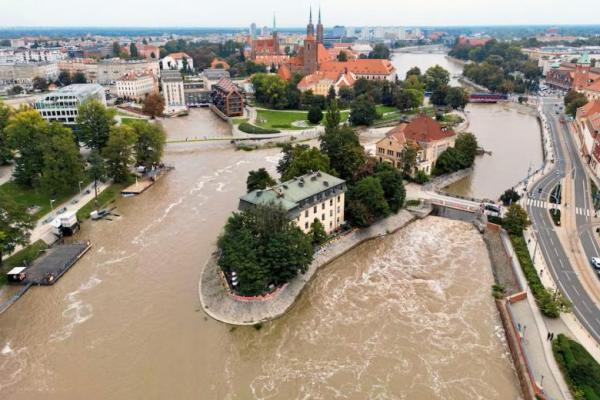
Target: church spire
[274,23]
[319,14]
[310,17]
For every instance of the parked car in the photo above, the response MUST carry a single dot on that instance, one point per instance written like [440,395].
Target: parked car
[595,261]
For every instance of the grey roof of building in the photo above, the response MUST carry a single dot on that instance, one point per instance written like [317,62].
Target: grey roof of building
[215,74]
[167,75]
[288,194]
[79,90]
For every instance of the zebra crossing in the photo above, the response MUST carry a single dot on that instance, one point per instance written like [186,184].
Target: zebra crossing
[545,204]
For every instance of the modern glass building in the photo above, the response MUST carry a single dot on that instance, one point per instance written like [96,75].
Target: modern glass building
[62,104]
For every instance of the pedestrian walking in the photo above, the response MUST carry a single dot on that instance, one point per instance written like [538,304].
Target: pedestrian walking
[552,336]
[548,336]
[541,272]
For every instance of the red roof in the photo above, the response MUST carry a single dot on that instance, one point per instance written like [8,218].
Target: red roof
[333,76]
[284,72]
[422,129]
[178,56]
[360,66]
[591,108]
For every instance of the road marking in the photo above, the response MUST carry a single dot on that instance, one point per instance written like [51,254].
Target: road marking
[585,304]
[576,291]
[567,275]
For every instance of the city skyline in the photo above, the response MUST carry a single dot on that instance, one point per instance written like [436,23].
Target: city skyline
[238,14]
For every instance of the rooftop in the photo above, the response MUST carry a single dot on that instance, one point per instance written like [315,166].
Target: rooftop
[288,194]
[171,76]
[78,90]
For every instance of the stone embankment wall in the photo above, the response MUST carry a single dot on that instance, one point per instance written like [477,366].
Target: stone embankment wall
[218,303]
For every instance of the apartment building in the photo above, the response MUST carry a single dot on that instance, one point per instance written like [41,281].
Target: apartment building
[227,98]
[108,72]
[173,91]
[136,86]
[62,105]
[24,73]
[316,195]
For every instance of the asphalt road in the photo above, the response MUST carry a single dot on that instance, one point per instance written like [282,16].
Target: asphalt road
[548,243]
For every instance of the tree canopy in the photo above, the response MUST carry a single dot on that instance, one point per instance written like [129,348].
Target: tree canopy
[344,151]
[95,121]
[259,180]
[15,225]
[263,248]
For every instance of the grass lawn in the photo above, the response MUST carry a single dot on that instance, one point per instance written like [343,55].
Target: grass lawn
[381,109]
[274,119]
[237,121]
[107,196]
[36,197]
[128,120]
[24,256]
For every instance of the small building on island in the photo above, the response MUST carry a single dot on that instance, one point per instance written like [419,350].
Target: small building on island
[314,195]
[425,135]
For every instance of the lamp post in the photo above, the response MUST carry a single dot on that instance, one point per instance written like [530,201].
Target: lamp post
[52,204]
[80,182]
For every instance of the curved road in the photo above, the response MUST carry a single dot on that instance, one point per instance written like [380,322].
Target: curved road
[556,258]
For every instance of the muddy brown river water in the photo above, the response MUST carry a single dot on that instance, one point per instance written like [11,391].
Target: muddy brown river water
[405,317]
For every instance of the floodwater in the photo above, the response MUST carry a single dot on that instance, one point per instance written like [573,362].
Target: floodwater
[408,316]
[511,132]
[405,61]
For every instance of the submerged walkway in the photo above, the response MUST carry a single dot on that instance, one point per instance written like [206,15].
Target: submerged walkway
[218,304]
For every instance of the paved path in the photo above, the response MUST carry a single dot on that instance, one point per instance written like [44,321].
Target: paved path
[220,306]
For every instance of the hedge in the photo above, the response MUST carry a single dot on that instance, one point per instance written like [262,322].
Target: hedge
[249,128]
[547,304]
[580,369]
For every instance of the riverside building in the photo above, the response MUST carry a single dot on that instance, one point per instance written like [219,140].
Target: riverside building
[316,195]
[62,105]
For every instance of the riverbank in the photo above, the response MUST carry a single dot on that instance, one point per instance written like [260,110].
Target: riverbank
[219,305]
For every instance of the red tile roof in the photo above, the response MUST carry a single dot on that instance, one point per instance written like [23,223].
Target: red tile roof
[284,72]
[360,67]
[178,56]
[333,76]
[591,108]
[423,129]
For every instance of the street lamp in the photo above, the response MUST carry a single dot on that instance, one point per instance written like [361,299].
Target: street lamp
[80,182]
[52,204]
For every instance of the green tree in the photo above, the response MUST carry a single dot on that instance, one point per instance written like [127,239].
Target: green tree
[150,142]
[380,51]
[392,184]
[263,247]
[15,225]
[344,151]
[408,99]
[332,117]
[15,90]
[342,56]
[366,202]
[448,161]
[270,90]
[119,153]
[305,160]
[363,111]
[40,84]
[154,105]
[62,165]
[116,49]
[439,95]
[573,101]
[79,77]
[259,180]
[96,170]
[466,145]
[27,133]
[414,71]
[509,197]
[315,115]
[414,82]
[64,78]
[515,220]
[436,77]
[346,96]
[317,233]
[133,51]
[331,95]
[408,160]
[457,97]
[5,150]
[94,121]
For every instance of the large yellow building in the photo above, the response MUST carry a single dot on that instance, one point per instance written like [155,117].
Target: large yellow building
[424,134]
[316,195]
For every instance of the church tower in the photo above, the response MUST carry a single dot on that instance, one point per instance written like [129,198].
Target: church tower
[310,28]
[320,29]
[275,37]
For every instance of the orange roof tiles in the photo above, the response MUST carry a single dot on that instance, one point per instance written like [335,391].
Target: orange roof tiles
[591,108]
[361,66]
[421,129]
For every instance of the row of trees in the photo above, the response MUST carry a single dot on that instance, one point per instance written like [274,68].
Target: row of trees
[573,101]
[500,67]
[461,156]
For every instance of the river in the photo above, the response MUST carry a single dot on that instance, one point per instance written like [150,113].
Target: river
[510,131]
[407,316]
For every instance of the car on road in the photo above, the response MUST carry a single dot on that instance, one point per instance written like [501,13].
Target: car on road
[61,210]
[595,261]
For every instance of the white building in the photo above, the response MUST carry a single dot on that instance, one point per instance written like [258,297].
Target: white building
[136,86]
[312,196]
[107,72]
[62,105]
[173,91]
[177,61]
[24,55]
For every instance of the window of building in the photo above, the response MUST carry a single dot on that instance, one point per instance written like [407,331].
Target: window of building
[330,202]
[331,213]
[306,225]
[306,213]
[322,217]
[339,198]
[323,206]
[315,209]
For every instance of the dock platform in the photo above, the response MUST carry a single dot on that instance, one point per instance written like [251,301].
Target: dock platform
[50,267]
[138,187]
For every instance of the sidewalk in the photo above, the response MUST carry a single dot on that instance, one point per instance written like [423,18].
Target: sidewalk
[534,331]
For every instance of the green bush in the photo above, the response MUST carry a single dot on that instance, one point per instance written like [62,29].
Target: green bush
[555,214]
[580,369]
[549,306]
[249,128]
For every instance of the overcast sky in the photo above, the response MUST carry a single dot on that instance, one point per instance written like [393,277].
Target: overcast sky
[294,13]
